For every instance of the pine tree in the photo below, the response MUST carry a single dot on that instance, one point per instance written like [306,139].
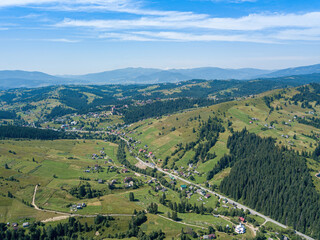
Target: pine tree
[131,197]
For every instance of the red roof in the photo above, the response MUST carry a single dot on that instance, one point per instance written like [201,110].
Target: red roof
[241,219]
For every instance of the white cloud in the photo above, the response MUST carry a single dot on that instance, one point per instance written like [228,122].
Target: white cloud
[259,28]
[234,1]
[61,40]
[125,6]
[253,22]
[181,37]
[187,37]
[11,3]
[309,34]
[126,37]
[156,25]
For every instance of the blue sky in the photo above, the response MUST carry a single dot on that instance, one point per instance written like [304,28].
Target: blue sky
[82,36]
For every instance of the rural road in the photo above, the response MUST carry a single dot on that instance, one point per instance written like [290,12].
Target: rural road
[238,205]
[187,224]
[67,215]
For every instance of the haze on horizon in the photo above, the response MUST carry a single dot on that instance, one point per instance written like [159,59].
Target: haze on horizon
[85,36]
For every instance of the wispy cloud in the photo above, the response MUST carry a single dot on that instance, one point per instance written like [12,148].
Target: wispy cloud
[125,6]
[263,28]
[252,22]
[64,40]
[233,1]
[308,34]
[159,25]
[181,37]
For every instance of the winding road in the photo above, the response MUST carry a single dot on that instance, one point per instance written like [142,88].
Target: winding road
[238,205]
[67,215]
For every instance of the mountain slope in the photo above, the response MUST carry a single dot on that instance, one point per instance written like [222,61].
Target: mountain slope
[151,75]
[118,76]
[18,79]
[210,73]
[294,71]
[18,74]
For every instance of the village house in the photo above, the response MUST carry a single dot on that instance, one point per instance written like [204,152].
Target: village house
[210,236]
[240,229]
[201,192]
[182,187]
[25,224]
[113,181]
[127,179]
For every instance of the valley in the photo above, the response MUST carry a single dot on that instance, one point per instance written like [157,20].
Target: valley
[163,158]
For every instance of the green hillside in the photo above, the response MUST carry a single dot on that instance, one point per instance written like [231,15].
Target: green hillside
[36,106]
[289,122]
[87,162]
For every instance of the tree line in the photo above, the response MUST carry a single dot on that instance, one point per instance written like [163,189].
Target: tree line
[7,115]
[160,108]
[273,180]
[10,131]
[74,229]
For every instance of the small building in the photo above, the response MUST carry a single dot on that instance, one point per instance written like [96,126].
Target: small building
[14,224]
[242,219]
[125,170]
[207,196]
[127,179]
[240,229]
[183,186]
[25,224]
[201,192]
[210,236]
[100,181]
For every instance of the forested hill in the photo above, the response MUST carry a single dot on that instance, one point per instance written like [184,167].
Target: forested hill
[55,101]
[159,108]
[274,181]
[7,132]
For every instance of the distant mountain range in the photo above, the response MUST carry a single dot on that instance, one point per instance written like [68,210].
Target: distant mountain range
[18,79]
